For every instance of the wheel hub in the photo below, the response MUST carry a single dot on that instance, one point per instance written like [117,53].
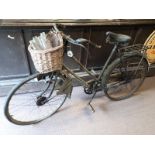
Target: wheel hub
[88,91]
[41,100]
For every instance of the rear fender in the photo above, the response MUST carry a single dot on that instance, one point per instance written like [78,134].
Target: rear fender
[136,53]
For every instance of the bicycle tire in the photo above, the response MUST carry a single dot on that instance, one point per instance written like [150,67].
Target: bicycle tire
[13,93]
[111,71]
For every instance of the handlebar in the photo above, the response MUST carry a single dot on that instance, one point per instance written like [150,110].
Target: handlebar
[78,41]
[82,40]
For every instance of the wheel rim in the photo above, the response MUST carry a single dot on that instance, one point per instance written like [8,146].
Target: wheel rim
[126,78]
[28,104]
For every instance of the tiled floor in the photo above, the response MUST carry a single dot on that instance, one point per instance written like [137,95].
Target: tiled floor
[135,115]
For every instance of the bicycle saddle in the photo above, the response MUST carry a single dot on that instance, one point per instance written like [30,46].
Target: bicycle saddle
[117,38]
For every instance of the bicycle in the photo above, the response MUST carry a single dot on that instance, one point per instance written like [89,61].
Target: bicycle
[41,95]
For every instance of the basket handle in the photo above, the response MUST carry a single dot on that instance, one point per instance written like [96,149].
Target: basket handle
[55,27]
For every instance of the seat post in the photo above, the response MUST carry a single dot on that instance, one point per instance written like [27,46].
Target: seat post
[108,60]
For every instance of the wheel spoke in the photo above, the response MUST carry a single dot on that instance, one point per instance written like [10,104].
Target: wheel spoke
[28,101]
[125,77]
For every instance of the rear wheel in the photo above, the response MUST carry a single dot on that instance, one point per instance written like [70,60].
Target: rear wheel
[124,77]
[35,99]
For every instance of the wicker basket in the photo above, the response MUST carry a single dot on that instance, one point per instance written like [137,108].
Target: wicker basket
[48,60]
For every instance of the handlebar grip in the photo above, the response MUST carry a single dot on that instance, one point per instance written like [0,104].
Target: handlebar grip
[77,41]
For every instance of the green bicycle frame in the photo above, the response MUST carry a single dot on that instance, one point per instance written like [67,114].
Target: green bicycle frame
[83,82]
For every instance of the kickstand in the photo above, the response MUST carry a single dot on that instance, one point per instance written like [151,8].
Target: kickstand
[93,110]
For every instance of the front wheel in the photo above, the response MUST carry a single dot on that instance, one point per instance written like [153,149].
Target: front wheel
[35,99]
[124,77]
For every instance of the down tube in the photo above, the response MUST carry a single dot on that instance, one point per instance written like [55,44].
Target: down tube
[84,83]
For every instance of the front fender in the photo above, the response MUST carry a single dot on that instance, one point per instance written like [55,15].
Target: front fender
[66,88]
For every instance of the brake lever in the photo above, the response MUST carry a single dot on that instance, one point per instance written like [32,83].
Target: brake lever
[82,40]
[78,44]
[98,46]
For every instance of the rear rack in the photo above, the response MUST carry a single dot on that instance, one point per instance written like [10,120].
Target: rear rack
[131,48]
